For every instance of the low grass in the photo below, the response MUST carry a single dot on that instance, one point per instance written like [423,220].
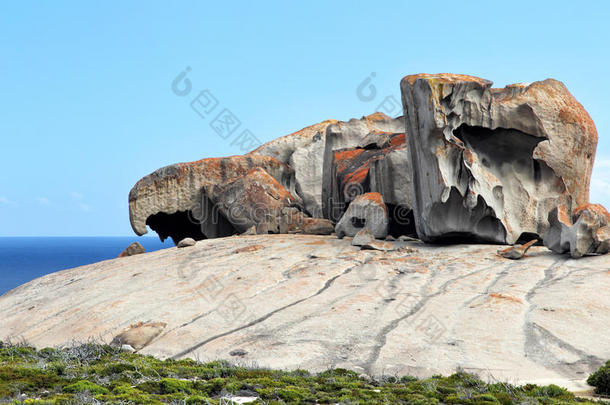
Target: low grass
[94,374]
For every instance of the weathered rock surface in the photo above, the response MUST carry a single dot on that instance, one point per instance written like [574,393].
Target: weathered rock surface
[490,164]
[310,151]
[133,249]
[172,200]
[366,211]
[251,200]
[315,302]
[586,232]
[378,166]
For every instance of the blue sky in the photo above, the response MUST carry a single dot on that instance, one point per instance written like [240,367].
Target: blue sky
[86,106]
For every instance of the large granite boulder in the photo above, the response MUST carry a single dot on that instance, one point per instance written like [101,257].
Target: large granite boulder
[585,232]
[255,199]
[310,152]
[173,202]
[490,164]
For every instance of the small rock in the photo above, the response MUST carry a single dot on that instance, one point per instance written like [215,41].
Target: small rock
[250,231]
[363,237]
[366,211]
[127,348]
[238,352]
[186,242]
[134,249]
[292,220]
[516,252]
[238,400]
[139,335]
[317,226]
[390,238]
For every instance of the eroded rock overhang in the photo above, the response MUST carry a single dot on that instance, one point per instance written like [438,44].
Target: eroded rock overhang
[173,202]
[490,164]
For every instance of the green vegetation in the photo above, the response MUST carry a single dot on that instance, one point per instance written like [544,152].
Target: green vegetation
[94,374]
[601,379]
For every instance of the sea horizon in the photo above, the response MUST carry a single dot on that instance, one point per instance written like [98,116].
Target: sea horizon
[25,258]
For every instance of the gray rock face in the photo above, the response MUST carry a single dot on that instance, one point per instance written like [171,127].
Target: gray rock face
[134,249]
[585,232]
[367,211]
[490,164]
[186,242]
[309,152]
[377,165]
[363,237]
[317,302]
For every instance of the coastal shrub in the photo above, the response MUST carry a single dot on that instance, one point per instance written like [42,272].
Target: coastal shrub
[85,386]
[601,379]
[101,375]
[552,391]
[173,386]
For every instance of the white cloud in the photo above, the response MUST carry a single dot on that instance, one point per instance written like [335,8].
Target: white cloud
[6,201]
[43,201]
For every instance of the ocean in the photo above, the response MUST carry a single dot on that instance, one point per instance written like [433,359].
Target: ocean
[26,258]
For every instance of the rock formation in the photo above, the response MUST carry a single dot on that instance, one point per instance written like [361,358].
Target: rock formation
[200,199]
[585,232]
[490,164]
[467,163]
[378,164]
[173,200]
[310,151]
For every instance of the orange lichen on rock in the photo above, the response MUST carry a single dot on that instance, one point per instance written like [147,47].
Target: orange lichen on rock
[248,249]
[598,209]
[357,176]
[447,78]
[506,297]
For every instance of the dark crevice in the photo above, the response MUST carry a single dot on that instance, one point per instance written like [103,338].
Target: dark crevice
[182,224]
[451,217]
[402,221]
[527,237]
[358,222]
